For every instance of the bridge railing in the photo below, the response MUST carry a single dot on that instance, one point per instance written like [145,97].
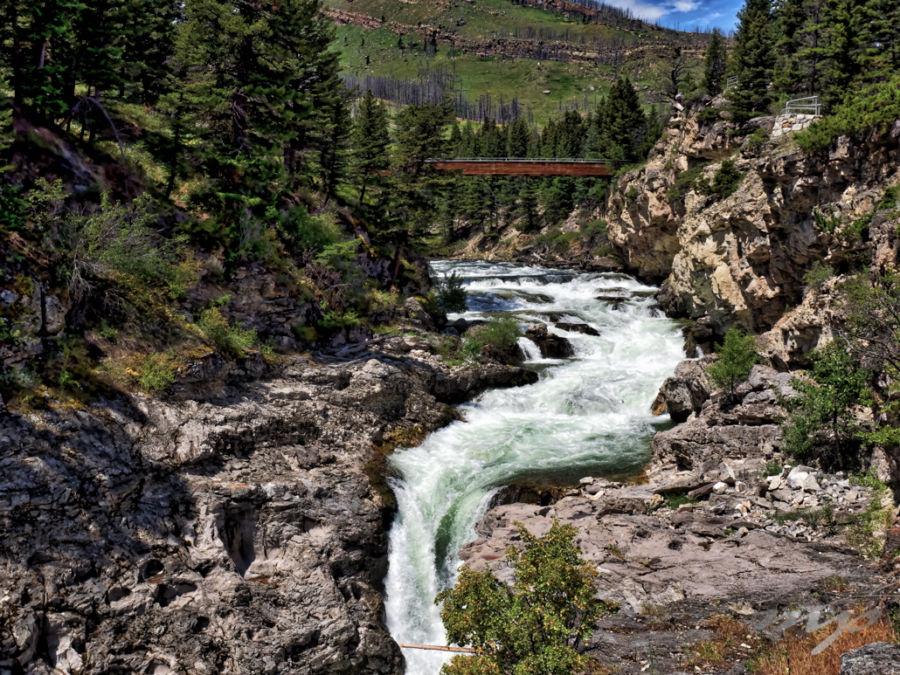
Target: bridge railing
[808,104]
[518,160]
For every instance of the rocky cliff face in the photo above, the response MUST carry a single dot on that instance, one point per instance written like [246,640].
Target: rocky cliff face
[742,258]
[242,533]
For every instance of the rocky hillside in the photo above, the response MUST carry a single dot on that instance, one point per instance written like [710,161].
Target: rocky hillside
[725,547]
[242,531]
[544,56]
[747,251]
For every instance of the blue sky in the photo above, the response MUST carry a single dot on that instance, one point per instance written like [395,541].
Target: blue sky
[685,14]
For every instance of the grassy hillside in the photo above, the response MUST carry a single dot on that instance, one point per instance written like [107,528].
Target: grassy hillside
[503,50]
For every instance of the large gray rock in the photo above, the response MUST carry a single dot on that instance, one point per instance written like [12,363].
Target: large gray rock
[551,346]
[244,534]
[686,391]
[878,658]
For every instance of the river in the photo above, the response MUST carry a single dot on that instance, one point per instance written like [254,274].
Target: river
[587,415]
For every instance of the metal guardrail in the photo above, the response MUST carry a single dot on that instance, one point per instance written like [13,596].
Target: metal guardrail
[731,81]
[807,104]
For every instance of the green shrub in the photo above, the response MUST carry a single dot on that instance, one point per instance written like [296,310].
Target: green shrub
[118,242]
[725,181]
[756,140]
[685,182]
[872,106]
[824,415]
[157,372]
[708,114]
[632,193]
[335,320]
[500,333]
[595,228]
[310,232]
[890,198]
[449,294]
[818,273]
[825,224]
[231,340]
[538,624]
[734,359]
[858,230]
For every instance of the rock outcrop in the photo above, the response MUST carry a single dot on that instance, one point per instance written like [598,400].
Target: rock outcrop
[743,257]
[242,533]
[710,534]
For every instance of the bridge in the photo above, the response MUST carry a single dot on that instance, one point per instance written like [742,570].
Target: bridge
[501,166]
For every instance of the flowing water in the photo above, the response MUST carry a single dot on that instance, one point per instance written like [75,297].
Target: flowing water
[588,415]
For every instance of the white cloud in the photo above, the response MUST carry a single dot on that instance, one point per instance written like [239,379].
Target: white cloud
[686,5]
[640,9]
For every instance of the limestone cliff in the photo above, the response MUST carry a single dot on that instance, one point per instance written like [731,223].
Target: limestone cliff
[742,257]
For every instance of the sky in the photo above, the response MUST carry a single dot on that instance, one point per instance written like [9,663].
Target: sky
[685,14]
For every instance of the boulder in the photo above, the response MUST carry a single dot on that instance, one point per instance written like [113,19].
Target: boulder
[877,658]
[686,391]
[551,346]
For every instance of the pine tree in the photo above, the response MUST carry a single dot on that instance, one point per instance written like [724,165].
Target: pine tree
[714,61]
[519,138]
[880,38]
[790,18]
[370,144]
[753,59]
[622,123]
[842,21]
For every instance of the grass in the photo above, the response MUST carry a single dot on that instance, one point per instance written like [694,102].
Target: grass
[375,51]
[865,533]
[793,654]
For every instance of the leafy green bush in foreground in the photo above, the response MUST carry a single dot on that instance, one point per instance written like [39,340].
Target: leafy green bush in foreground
[538,624]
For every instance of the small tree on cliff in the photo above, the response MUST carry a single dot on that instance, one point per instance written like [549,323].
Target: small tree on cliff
[714,61]
[734,359]
[538,624]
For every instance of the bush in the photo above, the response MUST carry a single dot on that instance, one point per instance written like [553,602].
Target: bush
[725,181]
[685,182]
[873,106]
[734,359]
[500,333]
[825,224]
[824,415]
[756,141]
[157,372]
[595,228]
[231,340]
[117,242]
[449,295]
[708,114]
[537,625]
[818,273]
[890,198]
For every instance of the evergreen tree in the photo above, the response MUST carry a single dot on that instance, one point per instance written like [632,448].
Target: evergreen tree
[753,59]
[519,139]
[622,123]
[714,61]
[842,20]
[790,18]
[265,98]
[370,144]
[880,38]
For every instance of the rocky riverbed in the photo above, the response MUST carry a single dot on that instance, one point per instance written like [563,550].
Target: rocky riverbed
[719,531]
[241,532]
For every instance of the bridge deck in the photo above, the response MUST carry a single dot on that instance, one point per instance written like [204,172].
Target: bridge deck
[524,167]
